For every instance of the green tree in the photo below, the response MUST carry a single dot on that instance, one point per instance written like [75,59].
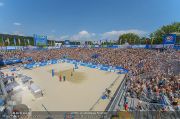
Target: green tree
[143,40]
[157,36]
[131,38]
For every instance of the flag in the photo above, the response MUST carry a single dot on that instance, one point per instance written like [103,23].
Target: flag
[106,42]
[14,41]
[7,40]
[28,41]
[25,40]
[3,40]
[19,41]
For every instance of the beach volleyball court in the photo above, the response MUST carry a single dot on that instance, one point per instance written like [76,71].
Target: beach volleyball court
[81,90]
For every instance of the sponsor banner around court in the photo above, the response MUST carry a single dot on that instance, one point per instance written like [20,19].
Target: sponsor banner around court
[11,47]
[2,48]
[14,48]
[77,46]
[96,46]
[157,46]
[119,46]
[138,46]
[168,46]
[71,46]
[122,46]
[112,46]
[18,47]
[117,69]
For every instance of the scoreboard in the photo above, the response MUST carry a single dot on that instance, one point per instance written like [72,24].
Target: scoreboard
[40,40]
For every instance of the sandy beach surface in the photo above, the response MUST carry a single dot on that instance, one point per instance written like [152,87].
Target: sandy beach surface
[81,91]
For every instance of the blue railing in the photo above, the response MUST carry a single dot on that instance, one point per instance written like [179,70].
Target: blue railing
[118,69]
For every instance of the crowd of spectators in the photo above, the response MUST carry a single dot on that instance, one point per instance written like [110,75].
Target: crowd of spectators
[152,73]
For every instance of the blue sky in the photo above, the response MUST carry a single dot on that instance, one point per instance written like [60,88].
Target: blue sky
[86,19]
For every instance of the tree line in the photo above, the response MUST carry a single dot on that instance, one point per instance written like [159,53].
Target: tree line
[155,37]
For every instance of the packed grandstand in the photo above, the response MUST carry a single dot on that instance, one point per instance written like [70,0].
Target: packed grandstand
[153,76]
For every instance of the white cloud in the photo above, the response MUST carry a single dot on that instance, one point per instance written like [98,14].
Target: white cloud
[1,4]
[17,24]
[83,35]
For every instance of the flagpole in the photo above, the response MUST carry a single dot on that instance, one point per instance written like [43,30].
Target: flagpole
[3,40]
[14,41]
[27,41]
[8,41]
[19,41]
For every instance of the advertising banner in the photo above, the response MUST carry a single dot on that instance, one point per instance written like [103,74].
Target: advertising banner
[40,40]
[169,39]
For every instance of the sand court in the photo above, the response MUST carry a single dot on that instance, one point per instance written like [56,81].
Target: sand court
[81,90]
